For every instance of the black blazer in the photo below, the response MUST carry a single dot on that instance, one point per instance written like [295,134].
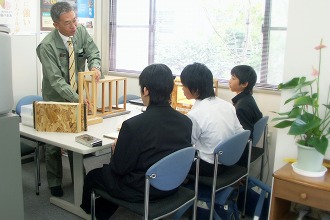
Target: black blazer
[142,141]
[247,110]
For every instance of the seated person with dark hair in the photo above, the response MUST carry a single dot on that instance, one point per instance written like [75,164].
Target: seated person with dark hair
[143,140]
[214,119]
[243,78]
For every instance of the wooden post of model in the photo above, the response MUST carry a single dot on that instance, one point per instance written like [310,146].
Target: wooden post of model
[90,96]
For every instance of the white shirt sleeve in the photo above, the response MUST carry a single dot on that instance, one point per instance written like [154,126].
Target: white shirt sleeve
[196,130]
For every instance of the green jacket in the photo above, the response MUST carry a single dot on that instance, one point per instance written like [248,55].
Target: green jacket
[54,58]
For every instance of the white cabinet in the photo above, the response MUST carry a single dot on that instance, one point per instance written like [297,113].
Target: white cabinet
[11,190]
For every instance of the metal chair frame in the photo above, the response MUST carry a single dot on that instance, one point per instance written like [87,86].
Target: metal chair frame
[34,149]
[156,178]
[260,130]
[221,158]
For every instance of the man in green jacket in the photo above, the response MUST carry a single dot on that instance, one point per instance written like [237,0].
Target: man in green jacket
[53,53]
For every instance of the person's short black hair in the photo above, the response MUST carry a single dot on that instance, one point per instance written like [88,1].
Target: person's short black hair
[198,79]
[245,73]
[59,8]
[158,79]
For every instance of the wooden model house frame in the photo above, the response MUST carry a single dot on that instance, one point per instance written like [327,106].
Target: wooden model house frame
[179,102]
[109,101]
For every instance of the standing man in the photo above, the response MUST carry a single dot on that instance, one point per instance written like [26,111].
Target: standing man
[63,53]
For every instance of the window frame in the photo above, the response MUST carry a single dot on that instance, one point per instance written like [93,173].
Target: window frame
[266,31]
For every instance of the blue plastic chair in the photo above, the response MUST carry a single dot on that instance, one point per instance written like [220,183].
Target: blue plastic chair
[27,149]
[26,100]
[214,190]
[167,174]
[260,130]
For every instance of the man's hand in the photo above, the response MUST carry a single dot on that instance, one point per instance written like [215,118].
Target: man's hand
[89,107]
[113,146]
[97,74]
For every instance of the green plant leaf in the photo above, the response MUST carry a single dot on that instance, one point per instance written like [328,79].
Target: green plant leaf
[303,83]
[283,124]
[327,106]
[286,115]
[295,112]
[305,100]
[304,123]
[297,95]
[319,144]
[280,118]
[289,85]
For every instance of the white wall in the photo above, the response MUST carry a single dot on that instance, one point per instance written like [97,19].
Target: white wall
[307,24]
[24,69]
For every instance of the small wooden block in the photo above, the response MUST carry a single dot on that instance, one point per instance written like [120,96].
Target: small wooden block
[94,120]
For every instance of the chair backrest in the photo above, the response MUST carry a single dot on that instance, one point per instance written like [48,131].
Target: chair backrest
[169,172]
[230,150]
[128,97]
[26,100]
[259,128]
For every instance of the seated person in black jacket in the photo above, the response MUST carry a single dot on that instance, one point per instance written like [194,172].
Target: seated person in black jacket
[143,140]
[243,78]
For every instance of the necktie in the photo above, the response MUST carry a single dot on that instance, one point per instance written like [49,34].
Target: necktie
[72,66]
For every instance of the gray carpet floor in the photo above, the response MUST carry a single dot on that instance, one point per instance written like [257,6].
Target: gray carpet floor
[39,207]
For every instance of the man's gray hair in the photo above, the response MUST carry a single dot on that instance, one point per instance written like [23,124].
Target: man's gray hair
[59,8]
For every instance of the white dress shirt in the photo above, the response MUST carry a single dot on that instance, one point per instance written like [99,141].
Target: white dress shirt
[65,40]
[214,120]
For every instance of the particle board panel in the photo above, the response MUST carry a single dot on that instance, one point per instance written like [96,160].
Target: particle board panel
[59,117]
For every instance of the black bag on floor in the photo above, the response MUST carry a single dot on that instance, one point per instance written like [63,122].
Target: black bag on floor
[257,201]
[225,208]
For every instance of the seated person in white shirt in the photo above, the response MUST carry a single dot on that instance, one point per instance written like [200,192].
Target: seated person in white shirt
[214,119]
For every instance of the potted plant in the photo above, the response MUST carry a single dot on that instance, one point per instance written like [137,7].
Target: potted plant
[304,120]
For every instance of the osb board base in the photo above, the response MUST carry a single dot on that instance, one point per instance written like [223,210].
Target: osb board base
[109,111]
[59,117]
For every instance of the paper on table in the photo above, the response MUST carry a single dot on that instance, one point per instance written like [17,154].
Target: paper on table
[111,135]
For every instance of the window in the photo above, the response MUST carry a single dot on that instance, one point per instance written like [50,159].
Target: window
[218,33]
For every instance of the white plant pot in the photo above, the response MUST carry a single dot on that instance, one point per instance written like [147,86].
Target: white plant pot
[309,159]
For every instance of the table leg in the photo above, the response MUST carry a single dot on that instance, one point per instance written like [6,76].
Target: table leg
[78,175]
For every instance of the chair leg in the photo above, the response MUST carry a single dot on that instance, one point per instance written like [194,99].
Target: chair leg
[213,186]
[195,210]
[93,205]
[264,145]
[245,196]
[262,167]
[37,169]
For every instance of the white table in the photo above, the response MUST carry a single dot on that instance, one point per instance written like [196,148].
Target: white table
[67,141]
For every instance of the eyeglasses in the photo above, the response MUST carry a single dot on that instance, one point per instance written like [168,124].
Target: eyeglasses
[70,23]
